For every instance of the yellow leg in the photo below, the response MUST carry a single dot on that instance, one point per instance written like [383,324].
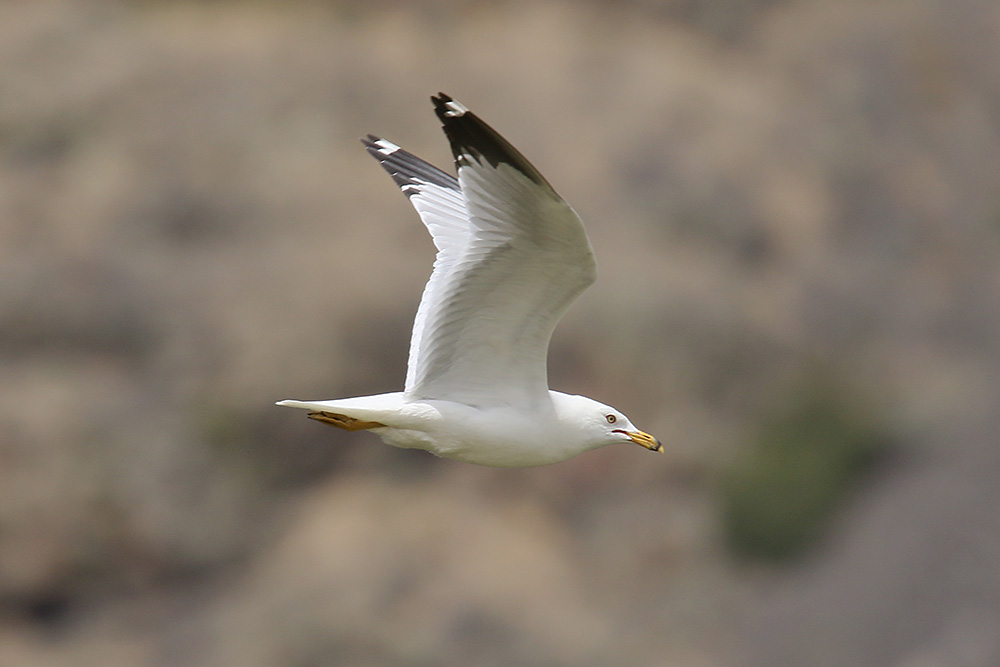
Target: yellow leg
[343,421]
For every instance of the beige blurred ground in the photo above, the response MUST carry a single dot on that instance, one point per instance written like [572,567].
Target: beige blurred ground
[781,195]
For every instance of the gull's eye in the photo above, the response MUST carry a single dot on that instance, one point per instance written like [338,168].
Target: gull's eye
[611,419]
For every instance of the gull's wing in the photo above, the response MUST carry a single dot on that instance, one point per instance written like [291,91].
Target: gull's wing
[512,256]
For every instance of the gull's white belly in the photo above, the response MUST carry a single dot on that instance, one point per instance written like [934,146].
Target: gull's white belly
[502,437]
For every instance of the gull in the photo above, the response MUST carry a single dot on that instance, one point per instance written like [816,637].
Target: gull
[511,257]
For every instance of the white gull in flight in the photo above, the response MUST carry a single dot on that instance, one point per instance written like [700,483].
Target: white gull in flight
[512,256]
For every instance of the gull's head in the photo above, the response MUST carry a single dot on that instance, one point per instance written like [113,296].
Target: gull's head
[604,425]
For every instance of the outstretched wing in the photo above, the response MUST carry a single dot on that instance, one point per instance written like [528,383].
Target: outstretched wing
[438,200]
[512,256]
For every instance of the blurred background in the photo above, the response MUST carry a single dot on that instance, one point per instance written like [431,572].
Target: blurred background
[796,215]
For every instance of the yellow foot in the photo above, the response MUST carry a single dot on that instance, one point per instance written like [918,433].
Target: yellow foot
[343,421]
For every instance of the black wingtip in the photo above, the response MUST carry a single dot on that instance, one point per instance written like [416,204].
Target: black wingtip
[445,106]
[471,137]
[441,99]
[405,168]
[370,143]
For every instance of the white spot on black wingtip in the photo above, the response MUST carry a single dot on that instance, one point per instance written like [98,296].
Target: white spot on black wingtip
[386,147]
[455,109]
